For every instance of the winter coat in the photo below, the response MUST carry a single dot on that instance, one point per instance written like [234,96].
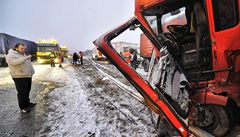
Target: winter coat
[75,57]
[134,59]
[52,55]
[81,54]
[19,65]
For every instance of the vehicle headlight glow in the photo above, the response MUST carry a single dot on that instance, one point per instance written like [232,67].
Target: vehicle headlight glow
[40,60]
[56,60]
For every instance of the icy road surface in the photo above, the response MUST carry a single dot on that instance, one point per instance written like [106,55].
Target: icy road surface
[72,102]
[76,102]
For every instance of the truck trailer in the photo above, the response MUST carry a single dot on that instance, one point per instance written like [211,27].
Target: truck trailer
[7,42]
[146,49]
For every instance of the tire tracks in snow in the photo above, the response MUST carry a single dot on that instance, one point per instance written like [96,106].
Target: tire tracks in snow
[124,115]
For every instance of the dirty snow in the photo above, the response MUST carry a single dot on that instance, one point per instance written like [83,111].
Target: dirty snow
[73,101]
[69,101]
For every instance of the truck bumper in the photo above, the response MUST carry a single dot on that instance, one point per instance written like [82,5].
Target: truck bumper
[46,61]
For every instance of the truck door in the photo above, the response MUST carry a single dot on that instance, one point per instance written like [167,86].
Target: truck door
[224,27]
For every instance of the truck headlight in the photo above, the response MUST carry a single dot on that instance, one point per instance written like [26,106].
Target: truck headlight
[56,60]
[40,60]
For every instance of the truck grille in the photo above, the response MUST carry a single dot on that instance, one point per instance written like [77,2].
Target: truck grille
[44,57]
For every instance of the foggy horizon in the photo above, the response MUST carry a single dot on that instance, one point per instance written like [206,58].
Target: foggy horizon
[75,24]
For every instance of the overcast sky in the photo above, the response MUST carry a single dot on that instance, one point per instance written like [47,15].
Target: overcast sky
[74,23]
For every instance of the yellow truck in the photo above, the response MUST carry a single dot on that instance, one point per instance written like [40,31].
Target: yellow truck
[64,51]
[45,48]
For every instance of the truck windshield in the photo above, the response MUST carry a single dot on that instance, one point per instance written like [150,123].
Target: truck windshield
[173,18]
[176,17]
[46,49]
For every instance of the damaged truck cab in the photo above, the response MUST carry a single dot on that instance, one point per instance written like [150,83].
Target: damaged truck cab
[195,82]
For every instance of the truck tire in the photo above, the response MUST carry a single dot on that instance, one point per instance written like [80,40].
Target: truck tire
[3,63]
[217,120]
[145,65]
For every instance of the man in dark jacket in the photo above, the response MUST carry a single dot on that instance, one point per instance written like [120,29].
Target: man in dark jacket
[75,58]
[21,71]
[134,61]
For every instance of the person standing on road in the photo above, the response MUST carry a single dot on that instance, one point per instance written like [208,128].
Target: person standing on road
[21,71]
[60,58]
[52,58]
[127,57]
[75,58]
[81,57]
[134,61]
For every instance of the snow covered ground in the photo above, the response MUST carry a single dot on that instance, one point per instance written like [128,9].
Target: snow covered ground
[73,101]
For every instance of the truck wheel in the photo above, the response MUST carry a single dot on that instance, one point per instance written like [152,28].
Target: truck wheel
[4,63]
[216,120]
[145,65]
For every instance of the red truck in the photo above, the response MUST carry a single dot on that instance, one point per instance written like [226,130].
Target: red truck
[146,47]
[197,80]
[97,55]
